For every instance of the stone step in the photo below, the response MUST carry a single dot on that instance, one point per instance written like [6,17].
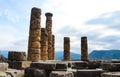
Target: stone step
[111,74]
[89,73]
[61,74]
[43,65]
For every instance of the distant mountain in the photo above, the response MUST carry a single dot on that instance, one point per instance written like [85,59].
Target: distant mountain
[4,53]
[59,56]
[105,54]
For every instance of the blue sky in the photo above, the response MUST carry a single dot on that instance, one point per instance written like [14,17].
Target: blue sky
[99,20]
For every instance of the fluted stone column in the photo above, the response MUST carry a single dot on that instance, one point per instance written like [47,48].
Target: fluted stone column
[53,47]
[44,44]
[49,31]
[84,49]
[66,48]
[34,45]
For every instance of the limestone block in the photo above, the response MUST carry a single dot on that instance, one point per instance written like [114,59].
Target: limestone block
[43,65]
[32,72]
[89,73]
[14,73]
[3,66]
[111,66]
[61,74]
[19,64]
[62,66]
[16,56]
[111,74]
[78,64]
[94,64]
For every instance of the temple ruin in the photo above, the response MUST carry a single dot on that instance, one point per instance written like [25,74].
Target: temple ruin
[41,51]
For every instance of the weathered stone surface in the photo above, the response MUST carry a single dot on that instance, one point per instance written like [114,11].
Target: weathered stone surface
[66,48]
[94,64]
[34,35]
[44,65]
[111,66]
[78,64]
[62,66]
[111,74]
[32,72]
[89,73]
[84,49]
[61,74]
[44,44]
[3,66]
[14,73]
[49,31]
[53,47]
[16,56]
[35,54]
[19,64]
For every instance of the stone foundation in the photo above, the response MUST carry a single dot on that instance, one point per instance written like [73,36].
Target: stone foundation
[19,64]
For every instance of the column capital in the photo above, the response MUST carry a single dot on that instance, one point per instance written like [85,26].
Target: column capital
[48,14]
[36,10]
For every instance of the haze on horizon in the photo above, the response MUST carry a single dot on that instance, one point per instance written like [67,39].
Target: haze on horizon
[99,20]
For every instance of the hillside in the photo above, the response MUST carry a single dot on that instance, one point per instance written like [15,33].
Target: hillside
[105,54]
[59,55]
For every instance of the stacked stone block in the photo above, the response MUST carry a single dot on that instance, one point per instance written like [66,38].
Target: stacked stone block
[84,49]
[16,56]
[44,44]
[34,45]
[49,31]
[17,60]
[66,48]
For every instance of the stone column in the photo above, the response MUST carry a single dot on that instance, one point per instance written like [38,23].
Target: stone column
[53,47]
[49,31]
[84,49]
[66,48]
[34,35]
[44,44]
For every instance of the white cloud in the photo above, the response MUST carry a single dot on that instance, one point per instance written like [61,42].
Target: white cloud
[72,13]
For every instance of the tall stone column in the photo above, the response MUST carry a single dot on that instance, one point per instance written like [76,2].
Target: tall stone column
[44,44]
[34,45]
[84,49]
[53,47]
[66,48]
[49,31]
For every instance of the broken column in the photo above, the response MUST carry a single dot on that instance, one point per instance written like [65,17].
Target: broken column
[84,49]
[49,31]
[66,48]
[34,45]
[53,47]
[44,44]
